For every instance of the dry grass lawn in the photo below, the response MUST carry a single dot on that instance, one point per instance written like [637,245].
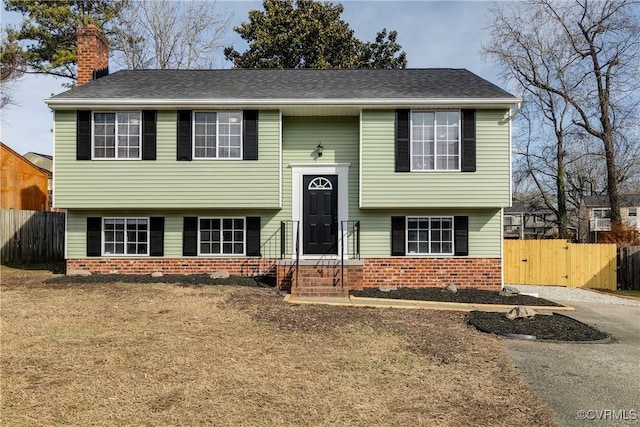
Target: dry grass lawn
[156,355]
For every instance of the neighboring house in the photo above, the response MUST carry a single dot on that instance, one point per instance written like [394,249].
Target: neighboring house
[23,185]
[597,214]
[331,179]
[45,162]
[520,222]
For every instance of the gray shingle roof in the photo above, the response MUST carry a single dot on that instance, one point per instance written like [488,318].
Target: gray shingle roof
[603,201]
[269,84]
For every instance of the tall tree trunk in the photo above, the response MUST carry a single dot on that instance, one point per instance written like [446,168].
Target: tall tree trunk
[560,189]
[612,179]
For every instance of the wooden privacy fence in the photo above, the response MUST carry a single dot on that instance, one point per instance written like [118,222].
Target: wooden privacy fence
[560,263]
[31,236]
[629,267]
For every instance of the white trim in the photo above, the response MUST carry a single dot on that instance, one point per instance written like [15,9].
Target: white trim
[115,134]
[221,254]
[280,183]
[510,165]
[360,182]
[298,171]
[125,218]
[193,134]
[53,176]
[231,103]
[66,234]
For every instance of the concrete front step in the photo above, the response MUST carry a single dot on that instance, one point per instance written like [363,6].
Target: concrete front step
[319,291]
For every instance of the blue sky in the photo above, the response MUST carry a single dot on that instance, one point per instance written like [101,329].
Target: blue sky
[434,34]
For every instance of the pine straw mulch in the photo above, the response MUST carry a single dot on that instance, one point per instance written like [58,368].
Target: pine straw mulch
[159,354]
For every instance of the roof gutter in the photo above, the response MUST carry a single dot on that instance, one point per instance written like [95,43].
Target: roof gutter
[72,103]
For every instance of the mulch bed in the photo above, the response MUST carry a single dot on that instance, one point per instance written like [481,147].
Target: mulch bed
[472,296]
[551,327]
[555,327]
[181,279]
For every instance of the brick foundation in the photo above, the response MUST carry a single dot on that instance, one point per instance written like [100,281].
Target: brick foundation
[321,278]
[235,266]
[482,273]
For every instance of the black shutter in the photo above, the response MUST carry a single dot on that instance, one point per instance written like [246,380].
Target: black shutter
[253,236]
[184,135]
[403,163]
[461,235]
[149,135]
[468,141]
[94,236]
[190,236]
[156,236]
[398,232]
[250,135]
[83,135]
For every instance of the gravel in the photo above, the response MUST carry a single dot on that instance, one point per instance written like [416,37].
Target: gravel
[561,293]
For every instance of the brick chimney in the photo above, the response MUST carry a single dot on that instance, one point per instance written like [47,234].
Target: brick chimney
[93,54]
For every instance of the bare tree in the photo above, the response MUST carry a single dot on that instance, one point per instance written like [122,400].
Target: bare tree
[167,34]
[542,155]
[582,52]
[12,67]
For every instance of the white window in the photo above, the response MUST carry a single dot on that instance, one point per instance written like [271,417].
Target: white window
[602,213]
[125,236]
[435,140]
[116,135]
[632,211]
[430,235]
[221,236]
[217,135]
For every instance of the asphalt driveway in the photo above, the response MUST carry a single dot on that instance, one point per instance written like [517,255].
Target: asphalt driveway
[588,384]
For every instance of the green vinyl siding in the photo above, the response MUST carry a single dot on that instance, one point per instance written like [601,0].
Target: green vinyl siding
[484,230]
[382,187]
[339,137]
[300,136]
[173,223]
[166,183]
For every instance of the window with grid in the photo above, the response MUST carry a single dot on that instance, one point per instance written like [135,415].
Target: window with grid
[430,235]
[126,236]
[217,135]
[435,140]
[222,236]
[116,135]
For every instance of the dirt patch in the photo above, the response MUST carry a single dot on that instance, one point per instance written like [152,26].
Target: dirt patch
[554,327]
[470,295]
[158,354]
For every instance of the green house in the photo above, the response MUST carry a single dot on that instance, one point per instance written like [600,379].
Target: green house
[327,179]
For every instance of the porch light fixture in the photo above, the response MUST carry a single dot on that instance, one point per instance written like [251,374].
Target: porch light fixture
[319,149]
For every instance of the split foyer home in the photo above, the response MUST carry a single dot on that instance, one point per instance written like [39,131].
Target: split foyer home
[326,179]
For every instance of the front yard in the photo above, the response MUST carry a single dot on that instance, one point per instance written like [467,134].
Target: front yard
[159,354]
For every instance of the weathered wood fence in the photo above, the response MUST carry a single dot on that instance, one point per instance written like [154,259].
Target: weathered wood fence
[629,267]
[560,263]
[31,236]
